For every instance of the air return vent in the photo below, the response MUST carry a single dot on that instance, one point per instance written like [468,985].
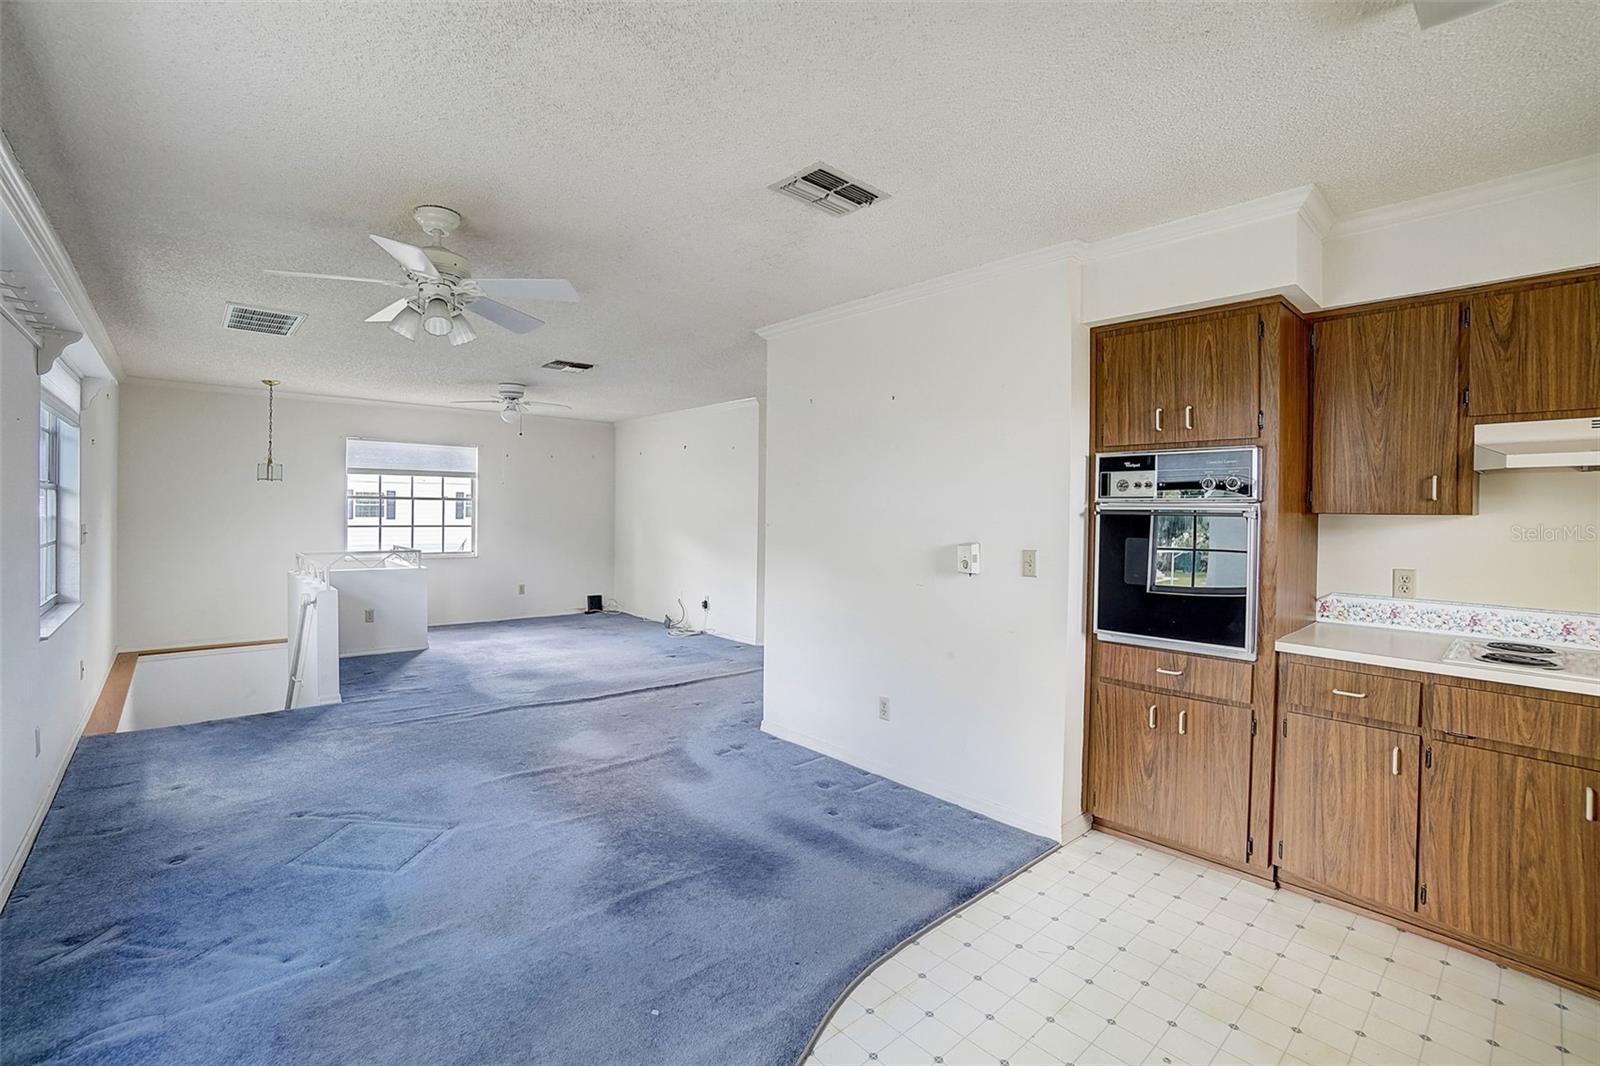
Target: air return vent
[568,366]
[828,189]
[261,320]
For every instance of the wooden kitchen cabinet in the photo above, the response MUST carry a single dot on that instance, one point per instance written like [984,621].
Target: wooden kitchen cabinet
[1196,379]
[1385,411]
[1535,351]
[1510,855]
[1346,808]
[1174,769]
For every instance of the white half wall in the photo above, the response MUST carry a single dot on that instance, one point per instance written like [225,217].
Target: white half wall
[47,687]
[205,547]
[897,428]
[687,510]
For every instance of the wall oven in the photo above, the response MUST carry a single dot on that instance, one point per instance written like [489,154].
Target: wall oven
[1177,540]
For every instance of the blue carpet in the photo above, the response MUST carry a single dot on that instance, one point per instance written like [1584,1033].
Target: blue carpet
[549,841]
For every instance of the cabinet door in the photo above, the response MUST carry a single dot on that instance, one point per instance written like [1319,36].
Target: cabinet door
[1346,813]
[1216,372]
[1534,351]
[1125,760]
[1509,855]
[1209,786]
[1385,412]
[1133,388]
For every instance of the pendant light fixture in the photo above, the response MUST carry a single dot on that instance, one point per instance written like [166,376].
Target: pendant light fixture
[268,470]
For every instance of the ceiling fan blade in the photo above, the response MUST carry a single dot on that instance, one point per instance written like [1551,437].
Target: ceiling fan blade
[506,317]
[388,313]
[409,256]
[546,403]
[559,289]
[333,277]
[495,402]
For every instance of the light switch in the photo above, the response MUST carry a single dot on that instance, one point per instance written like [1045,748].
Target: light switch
[1030,562]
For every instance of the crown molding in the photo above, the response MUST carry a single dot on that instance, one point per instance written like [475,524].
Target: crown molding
[1306,201]
[1066,252]
[1585,170]
[19,199]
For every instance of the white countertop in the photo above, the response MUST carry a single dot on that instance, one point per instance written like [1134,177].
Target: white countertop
[1406,649]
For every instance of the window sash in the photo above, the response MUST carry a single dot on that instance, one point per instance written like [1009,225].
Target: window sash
[434,512]
[49,507]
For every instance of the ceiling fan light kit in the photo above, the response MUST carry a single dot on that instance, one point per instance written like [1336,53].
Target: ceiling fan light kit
[442,287]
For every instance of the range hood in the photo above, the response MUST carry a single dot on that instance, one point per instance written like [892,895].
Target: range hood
[1556,442]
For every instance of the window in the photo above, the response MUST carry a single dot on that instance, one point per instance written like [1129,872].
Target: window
[418,496]
[49,507]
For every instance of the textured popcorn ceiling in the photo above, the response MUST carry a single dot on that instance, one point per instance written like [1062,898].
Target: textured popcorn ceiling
[181,148]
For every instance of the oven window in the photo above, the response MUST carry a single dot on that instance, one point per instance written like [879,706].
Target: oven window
[1199,554]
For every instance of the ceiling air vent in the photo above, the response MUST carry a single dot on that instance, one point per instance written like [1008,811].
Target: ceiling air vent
[261,320]
[568,366]
[827,189]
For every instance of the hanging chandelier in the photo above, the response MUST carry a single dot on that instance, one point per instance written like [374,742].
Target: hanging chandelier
[267,470]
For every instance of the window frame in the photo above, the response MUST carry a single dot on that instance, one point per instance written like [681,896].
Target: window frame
[50,483]
[385,505]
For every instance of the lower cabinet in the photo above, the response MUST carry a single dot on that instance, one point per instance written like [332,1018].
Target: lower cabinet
[1346,808]
[1174,769]
[1510,854]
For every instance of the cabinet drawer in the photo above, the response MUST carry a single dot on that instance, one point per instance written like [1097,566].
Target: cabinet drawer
[1353,696]
[1545,725]
[1166,671]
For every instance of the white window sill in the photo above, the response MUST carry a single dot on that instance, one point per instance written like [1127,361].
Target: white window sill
[55,617]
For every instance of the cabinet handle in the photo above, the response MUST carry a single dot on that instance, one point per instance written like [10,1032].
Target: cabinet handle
[1394,761]
[1169,673]
[1433,488]
[1183,725]
[1350,695]
[1152,716]
[1589,812]
[1188,416]
[1158,420]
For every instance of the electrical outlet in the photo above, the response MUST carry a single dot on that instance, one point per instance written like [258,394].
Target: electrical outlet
[883,708]
[37,746]
[705,604]
[522,590]
[1405,583]
[80,669]
[366,615]
[1030,562]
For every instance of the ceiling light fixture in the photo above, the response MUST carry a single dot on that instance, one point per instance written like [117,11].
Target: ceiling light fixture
[408,323]
[461,332]
[267,470]
[436,316]
[508,414]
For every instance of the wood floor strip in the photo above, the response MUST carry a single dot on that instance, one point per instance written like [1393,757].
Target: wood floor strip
[107,713]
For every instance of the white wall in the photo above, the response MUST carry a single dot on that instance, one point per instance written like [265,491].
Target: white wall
[48,685]
[896,429]
[1531,544]
[687,508]
[205,546]
[204,686]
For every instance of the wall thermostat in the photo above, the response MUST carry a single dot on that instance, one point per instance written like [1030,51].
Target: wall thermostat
[967,558]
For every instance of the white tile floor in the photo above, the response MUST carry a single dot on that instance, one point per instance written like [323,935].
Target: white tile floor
[1107,952]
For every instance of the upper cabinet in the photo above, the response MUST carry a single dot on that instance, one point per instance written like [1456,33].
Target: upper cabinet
[1195,379]
[1535,351]
[1384,411]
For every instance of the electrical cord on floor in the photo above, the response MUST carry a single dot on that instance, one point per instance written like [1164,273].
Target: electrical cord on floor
[681,627]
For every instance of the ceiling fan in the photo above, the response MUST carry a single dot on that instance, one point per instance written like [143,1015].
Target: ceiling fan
[512,403]
[442,286]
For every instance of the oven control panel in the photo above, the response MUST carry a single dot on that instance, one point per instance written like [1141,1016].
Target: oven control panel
[1231,474]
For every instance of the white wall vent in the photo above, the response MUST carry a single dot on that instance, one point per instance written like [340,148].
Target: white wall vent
[828,189]
[261,320]
[568,366]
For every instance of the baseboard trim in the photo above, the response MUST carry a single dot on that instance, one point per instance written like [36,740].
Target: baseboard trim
[1075,827]
[1045,827]
[19,858]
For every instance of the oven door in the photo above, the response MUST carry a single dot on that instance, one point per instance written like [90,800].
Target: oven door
[1178,578]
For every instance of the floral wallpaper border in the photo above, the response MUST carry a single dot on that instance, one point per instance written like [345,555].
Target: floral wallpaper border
[1466,619]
